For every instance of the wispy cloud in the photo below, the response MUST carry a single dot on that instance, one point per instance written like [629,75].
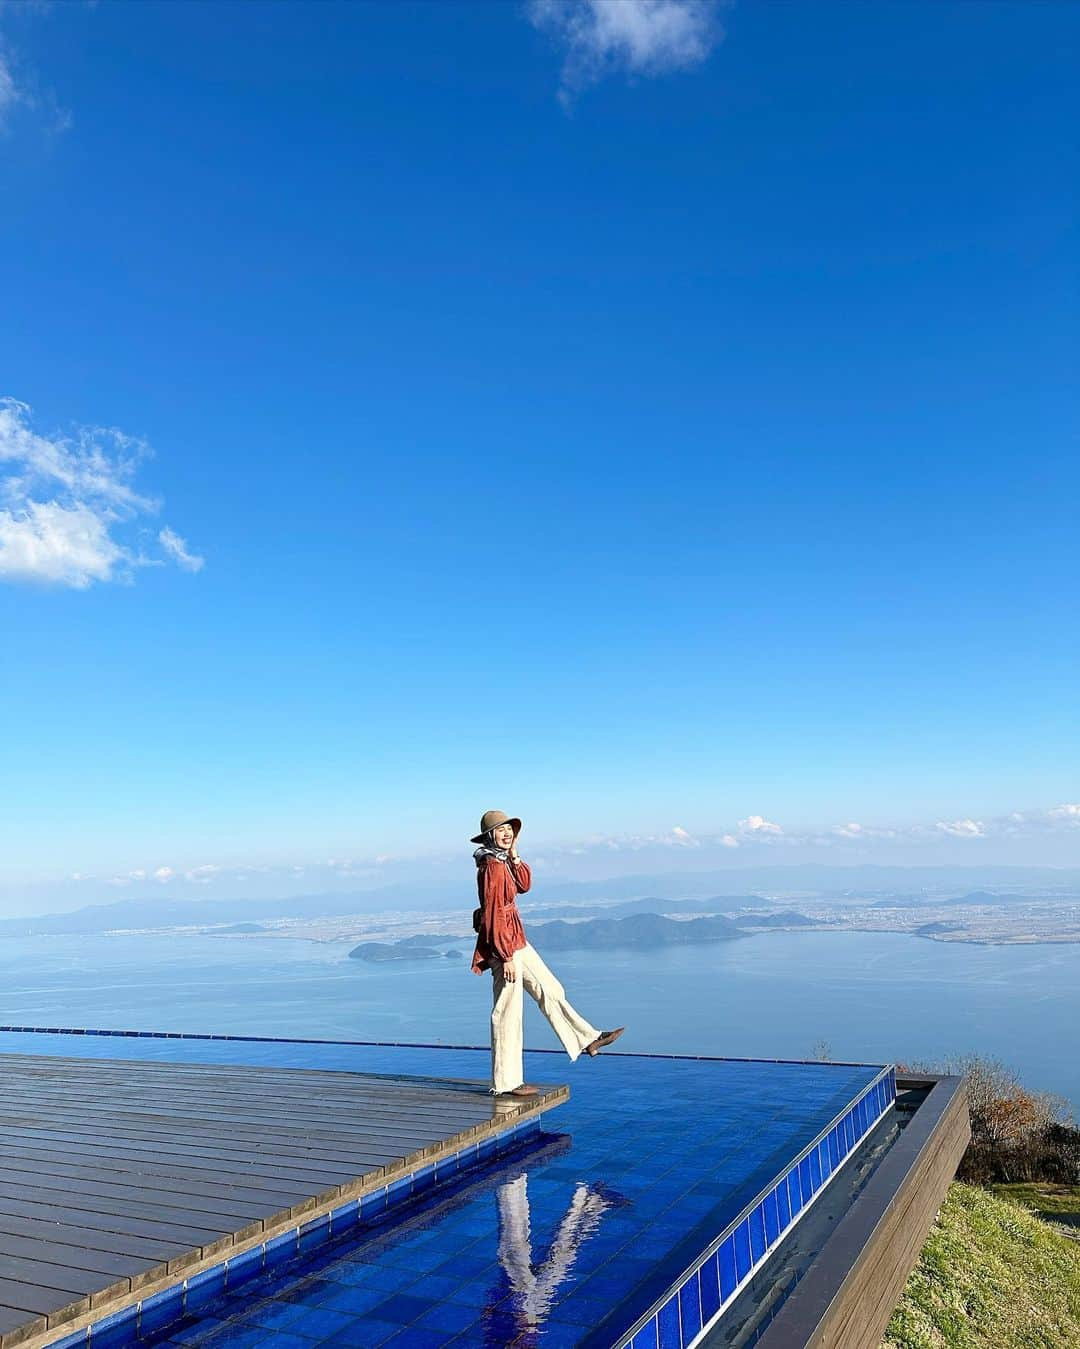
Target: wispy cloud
[68,505]
[10,92]
[632,37]
[757,824]
[177,549]
[19,85]
[962,828]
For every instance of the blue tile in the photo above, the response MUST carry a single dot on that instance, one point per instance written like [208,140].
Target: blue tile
[241,1268]
[667,1319]
[795,1191]
[806,1183]
[402,1308]
[729,1276]
[449,1317]
[413,1337]
[783,1205]
[423,1179]
[710,1288]
[354,1300]
[365,1334]
[345,1218]
[276,1315]
[279,1249]
[287,1339]
[772,1218]
[315,1233]
[372,1204]
[743,1261]
[115,1332]
[318,1323]
[646,1338]
[72,1341]
[757,1233]
[690,1308]
[203,1288]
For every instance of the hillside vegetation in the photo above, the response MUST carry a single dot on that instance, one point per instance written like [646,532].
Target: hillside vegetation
[991,1276]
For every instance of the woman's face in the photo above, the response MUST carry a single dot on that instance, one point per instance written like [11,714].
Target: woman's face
[503,834]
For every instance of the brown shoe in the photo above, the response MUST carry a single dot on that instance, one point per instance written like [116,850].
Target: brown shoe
[520,1093]
[605,1038]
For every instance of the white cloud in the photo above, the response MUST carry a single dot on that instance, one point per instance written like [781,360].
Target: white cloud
[962,828]
[10,93]
[164,874]
[757,824]
[62,545]
[636,37]
[851,830]
[200,875]
[683,838]
[1070,812]
[728,841]
[67,502]
[177,549]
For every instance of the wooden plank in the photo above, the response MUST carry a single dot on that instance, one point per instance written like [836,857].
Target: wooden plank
[113,1173]
[56,1173]
[30,1297]
[70,1280]
[138,1248]
[332,1117]
[55,1251]
[261,1176]
[184,1233]
[266,1166]
[116,1199]
[314,1164]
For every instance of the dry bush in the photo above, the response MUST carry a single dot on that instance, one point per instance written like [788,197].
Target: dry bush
[1016,1134]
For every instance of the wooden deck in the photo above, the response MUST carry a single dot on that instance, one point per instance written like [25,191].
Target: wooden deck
[118,1177]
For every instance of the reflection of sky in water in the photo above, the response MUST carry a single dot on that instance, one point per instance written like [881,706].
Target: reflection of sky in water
[652,1157]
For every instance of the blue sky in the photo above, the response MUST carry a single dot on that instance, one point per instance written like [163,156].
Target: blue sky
[652,418]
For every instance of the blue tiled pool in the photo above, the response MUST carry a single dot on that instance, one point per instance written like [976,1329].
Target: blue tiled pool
[583,1237]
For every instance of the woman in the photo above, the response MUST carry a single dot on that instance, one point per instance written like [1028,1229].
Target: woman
[501,946]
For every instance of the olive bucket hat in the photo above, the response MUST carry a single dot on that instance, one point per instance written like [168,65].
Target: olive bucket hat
[491,819]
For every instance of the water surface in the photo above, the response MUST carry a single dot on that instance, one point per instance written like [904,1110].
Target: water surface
[868,996]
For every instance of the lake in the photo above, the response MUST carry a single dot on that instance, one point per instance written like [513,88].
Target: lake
[869,996]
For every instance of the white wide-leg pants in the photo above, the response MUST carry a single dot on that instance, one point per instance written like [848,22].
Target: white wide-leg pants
[508,1016]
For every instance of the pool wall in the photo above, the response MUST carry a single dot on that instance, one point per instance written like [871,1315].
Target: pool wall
[683,1315]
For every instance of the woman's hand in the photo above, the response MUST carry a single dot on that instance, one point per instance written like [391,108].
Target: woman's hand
[509,973]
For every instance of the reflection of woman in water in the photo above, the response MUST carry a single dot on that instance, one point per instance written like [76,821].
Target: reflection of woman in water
[515,966]
[535,1285]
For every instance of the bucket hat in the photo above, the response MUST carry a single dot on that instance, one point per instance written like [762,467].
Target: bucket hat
[491,819]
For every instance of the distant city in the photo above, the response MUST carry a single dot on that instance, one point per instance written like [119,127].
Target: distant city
[983,917]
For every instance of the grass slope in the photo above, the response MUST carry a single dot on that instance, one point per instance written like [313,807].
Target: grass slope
[1052,1203]
[991,1276]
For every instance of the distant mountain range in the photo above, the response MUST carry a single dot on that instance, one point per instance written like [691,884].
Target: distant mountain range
[128,914]
[652,904]
[640,930]
[698,892]
[984,897]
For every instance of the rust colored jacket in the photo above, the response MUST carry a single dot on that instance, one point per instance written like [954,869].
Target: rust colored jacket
[499,931]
